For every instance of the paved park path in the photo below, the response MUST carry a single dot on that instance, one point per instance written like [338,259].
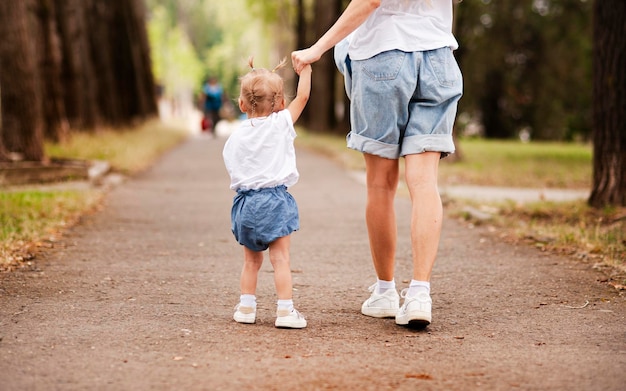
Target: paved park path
[140,295]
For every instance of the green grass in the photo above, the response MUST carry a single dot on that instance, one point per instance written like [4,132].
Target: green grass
[487,163]
[517,164]
[128,151]
[36,216]
[28,217]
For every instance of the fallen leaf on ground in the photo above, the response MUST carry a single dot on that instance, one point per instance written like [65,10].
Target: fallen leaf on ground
[423,376]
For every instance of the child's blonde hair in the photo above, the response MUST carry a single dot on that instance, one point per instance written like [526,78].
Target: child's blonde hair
[262,90]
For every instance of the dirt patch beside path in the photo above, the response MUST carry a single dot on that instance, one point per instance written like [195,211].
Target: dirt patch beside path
[140,296]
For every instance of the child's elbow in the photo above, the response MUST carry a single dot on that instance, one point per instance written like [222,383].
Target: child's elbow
[304,98]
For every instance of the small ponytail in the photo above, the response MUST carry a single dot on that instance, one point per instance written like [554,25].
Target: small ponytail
[280,65]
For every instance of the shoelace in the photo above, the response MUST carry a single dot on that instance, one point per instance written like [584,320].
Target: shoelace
[405,291]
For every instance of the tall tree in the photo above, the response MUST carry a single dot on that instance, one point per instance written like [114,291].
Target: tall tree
[323,84]
[78,75]
[526,65]
[609,104]
[48,45]
[22,121]
[68,64]
[131,61]
[3,152]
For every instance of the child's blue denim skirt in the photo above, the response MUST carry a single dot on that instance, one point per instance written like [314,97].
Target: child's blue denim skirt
[260,216]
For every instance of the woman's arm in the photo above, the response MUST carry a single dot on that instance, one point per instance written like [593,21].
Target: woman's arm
[354,15]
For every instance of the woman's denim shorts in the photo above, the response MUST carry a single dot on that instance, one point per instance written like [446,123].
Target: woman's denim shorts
[404,103]
[259,217]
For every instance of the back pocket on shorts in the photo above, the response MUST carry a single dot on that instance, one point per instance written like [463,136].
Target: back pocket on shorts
[384,66]
[444,66]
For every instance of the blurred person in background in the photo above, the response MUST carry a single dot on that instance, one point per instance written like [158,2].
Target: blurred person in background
[212,96]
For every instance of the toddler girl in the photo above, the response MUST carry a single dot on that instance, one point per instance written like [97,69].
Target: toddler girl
[261,161]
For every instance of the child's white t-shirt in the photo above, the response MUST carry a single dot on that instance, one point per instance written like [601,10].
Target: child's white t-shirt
[407,25]
[261,154]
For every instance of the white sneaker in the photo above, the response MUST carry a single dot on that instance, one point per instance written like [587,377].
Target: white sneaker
[244,314]
[383,305]
[416,310]
[289,319]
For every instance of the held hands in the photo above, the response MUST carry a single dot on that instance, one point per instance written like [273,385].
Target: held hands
[302,58]
[306,70]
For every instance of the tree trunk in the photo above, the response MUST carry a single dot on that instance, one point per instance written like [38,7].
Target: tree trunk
[77,76]
[3,152]
[493,117]
[303,41]
[322,101]
[22,129]
[609,104]
[56,127]
[101,25]
[135,84]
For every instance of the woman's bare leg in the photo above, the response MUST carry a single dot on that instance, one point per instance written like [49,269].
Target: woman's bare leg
[426,213]
[380,215]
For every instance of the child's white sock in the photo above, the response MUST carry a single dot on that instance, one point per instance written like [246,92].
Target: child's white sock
[418,286]
[285,304]
[383,286]
[248,300]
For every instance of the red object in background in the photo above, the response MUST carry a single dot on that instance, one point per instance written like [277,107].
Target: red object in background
[205,124]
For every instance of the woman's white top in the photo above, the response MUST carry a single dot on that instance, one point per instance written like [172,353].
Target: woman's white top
[407,25]
[261,154]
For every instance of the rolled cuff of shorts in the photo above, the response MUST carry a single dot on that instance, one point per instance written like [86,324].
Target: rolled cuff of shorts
[373,147]
[428,143]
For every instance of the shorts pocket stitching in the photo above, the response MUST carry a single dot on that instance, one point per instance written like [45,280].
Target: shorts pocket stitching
[384,66]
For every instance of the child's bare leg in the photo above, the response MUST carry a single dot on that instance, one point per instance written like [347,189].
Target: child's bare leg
[252,262]
[279,257]
[286,315]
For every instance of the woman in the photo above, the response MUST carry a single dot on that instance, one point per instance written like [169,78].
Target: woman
[404,85]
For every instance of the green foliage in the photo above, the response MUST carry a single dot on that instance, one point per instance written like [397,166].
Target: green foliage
[192,40]
[175,64]
[527,65]
[270,11]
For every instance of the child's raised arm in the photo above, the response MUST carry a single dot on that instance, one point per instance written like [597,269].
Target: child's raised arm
[302,94]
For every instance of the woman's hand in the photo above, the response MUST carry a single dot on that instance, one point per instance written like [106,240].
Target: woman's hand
[301,58]
[354,15]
